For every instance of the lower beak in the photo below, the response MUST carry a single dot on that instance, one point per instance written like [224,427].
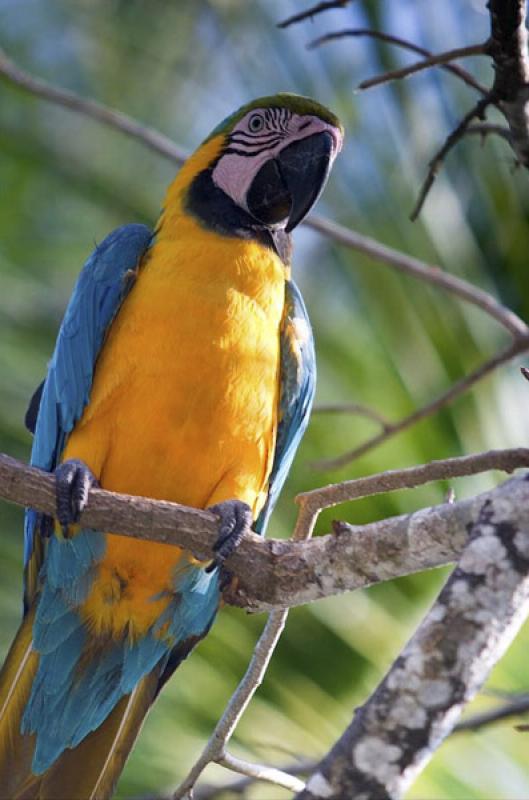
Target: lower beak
[287,187]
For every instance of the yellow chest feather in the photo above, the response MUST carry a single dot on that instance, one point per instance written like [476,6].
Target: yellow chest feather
[184,402]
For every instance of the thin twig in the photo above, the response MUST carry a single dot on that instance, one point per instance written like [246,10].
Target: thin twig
[419,269]
[165,147]
[485,128]
[352,408]
[455,69]
[216,745]
[432,61]
[261,772]
[519,345]
[108,116]
[514,708]
[457,134]
[239,786]
[411,477]
[327,5]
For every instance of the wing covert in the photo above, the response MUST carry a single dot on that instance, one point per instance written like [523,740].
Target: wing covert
[59,402]
[298,383]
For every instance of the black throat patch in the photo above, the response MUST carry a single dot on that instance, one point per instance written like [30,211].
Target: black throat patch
[217,212]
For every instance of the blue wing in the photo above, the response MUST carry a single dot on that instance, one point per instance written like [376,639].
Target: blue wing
[298,383]
[57,405]
[81,677]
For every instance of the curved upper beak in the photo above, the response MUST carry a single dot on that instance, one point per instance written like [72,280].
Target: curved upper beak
[286,187]
[304,166]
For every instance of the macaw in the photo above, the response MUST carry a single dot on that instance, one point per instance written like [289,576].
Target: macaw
[183,370]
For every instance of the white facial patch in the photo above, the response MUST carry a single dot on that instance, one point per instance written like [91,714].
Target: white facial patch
[259,136]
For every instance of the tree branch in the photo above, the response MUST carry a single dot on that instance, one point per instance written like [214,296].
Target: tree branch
[419,269]
[508,48]
[520,345]
[352,408]
[433,60]
[215,749]
[455,69]
[239,786]
[319,8]
[515,707]
[275,573]
[475,618]
[485,128]
[161,144]
[89,108]
[478,110]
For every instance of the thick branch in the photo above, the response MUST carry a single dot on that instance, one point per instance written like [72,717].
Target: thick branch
[508,48]
[278,574]
[475,618]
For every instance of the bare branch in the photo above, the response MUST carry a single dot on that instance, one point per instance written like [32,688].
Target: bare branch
[260,772]
[508,48]
[239,786]
[485,128]
[418,66]
[352,408]
[412,477]
[520,345]
[476,616]
[339,233]
[108,116]
[455,69]
[457,134]
[215,748]
[514,708]
[419,269]
[327,5]
[275,574]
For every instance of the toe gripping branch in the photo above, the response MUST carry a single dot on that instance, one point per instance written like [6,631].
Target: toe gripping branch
[73,483]
[235,520]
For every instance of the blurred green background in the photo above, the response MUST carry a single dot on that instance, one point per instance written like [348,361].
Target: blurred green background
[383,340]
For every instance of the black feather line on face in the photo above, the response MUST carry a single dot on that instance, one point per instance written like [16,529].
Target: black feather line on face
[217,212]
[254,152]
[239,138]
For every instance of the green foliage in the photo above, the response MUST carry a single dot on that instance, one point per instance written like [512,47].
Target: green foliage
[383,340]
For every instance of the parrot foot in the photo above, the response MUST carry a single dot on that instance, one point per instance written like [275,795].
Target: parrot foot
[235,520]
[73,482]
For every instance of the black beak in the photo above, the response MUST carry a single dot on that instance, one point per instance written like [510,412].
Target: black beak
[287,187]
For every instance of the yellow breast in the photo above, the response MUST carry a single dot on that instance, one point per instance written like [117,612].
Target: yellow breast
[184,401]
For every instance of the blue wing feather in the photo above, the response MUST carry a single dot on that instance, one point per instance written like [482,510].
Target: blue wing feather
[97,296]
[298,383]
[67,701]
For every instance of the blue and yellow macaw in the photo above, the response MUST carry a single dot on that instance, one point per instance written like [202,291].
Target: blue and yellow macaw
[184,371]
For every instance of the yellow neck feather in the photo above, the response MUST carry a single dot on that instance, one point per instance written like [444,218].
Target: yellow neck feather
[196,163]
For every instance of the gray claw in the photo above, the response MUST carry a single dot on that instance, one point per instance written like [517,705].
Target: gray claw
[235,520]
[73,483]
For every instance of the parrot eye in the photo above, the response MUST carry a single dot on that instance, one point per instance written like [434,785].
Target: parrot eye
[256,123]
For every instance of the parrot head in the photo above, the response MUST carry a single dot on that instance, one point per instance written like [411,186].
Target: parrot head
[264,166]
